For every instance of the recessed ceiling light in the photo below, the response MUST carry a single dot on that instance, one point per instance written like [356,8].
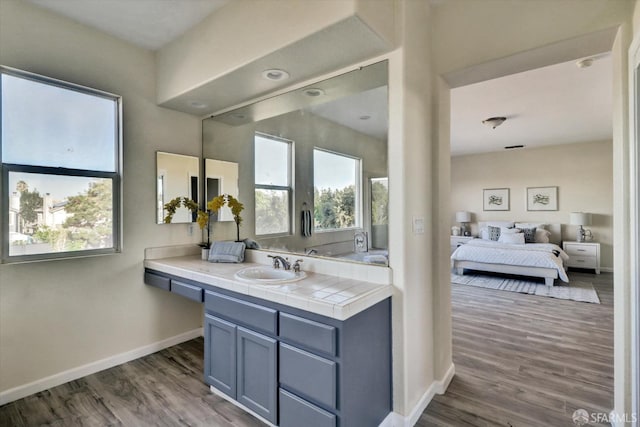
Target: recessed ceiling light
[365,117]
[313,92]
[275,74]
[494,122]
[585,63]
[197,104]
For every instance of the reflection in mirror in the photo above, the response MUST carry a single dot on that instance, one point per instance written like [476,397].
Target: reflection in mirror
[221,178]
[177,176]
[328,195]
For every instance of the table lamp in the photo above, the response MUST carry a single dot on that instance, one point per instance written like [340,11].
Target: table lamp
[463,217]
[580,218]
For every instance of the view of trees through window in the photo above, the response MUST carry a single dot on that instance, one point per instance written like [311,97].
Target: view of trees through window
[44,217]
[336,192]
[272,184]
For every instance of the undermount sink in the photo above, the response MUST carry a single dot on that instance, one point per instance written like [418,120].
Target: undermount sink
[268,275]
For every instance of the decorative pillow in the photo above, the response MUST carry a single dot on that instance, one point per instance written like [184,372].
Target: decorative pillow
[484,233]
[542,235]
[512,238]
[529,234]
[494,233]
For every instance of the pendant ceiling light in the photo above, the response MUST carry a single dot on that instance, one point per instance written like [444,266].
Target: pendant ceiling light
[494,122]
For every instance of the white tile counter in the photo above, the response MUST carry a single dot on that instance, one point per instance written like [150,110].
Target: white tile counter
[327,295]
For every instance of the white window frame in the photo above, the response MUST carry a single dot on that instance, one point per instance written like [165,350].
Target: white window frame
[358,196]
[115,177]
[288,188]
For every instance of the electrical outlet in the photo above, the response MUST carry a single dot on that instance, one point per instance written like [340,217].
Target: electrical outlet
[190,230]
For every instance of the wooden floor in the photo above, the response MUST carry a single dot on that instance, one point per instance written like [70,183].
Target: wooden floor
[521,360]
[524,360]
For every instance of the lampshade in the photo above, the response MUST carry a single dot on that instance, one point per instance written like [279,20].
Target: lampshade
[580,218]
[463,216]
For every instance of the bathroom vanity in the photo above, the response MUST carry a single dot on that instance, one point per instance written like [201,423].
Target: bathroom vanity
[317,350]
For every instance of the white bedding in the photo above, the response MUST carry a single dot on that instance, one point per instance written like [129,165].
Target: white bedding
[527,255]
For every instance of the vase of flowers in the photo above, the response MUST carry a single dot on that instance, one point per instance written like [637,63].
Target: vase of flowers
[203,218]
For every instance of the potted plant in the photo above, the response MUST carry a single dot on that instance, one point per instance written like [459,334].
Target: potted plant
[203,218]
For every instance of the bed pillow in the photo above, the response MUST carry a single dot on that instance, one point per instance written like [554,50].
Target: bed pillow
[531,225]
[484,227]
[512,238]
[506,224]
[529,234]
[542,235]
[505,230]
[494,233]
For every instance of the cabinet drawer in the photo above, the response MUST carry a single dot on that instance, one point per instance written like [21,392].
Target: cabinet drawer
[186,290]
[308,375]
[157,280]
[582,262]
[294,409]
[256,317]
[307,333]
[580,250]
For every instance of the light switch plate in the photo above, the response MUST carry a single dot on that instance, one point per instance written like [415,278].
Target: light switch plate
[418,225]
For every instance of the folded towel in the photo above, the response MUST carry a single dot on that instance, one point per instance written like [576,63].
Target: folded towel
[251,244]
[305,223]
[227,252]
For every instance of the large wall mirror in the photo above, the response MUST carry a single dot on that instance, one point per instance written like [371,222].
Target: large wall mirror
[312,166]
[176,176]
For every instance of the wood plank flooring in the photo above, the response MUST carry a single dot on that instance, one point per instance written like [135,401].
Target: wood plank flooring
[524,360]
[521,360]
[162,389]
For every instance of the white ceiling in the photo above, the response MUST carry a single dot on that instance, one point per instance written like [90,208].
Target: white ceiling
[557,104]
[147,23]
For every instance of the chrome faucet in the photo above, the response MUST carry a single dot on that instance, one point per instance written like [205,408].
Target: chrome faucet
[296,266]
[277,260]
[311,252]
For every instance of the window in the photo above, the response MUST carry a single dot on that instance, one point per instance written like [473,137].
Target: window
[336,193]
[60,155]
[272,185]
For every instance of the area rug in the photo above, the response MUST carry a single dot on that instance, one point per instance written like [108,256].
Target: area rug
[575,290]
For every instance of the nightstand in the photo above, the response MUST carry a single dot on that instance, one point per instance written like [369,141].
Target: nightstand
[583,255]
[458,240]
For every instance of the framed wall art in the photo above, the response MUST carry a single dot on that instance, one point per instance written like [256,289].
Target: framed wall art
[495,199]
[542,198]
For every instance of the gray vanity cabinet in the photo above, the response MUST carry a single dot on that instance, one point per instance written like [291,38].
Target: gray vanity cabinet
[240,362]
[220,354]
[293,367]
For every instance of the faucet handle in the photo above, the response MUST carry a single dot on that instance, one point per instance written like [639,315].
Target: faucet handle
[276,262]
[296,266]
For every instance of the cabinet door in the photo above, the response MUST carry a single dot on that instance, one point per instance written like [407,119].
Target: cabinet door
[257,373]
[220,354]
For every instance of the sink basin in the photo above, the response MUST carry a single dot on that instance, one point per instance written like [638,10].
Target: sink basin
[268,276]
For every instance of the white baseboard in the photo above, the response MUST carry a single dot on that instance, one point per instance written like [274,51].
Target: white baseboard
[37,386]
[437,387]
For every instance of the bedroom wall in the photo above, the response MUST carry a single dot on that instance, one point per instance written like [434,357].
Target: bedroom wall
[583,174]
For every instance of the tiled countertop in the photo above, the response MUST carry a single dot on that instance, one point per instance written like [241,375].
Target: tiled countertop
[331,296]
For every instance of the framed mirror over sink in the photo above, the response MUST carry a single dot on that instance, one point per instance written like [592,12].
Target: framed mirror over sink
[312,167]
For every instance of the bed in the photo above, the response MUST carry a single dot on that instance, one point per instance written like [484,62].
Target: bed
[540,259]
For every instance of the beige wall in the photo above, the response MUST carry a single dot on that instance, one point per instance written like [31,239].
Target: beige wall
[59,315]
[583,174]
